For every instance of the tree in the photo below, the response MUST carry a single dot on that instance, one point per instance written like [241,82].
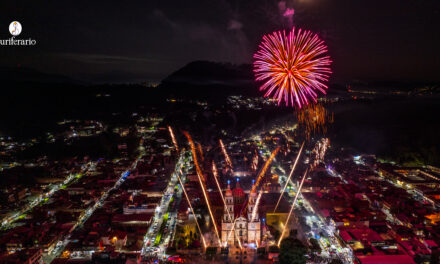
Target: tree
[336,261]
[292,251]
[276,234]
[435,256]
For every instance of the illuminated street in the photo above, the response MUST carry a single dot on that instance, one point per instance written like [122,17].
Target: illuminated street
[9,220]
[156,239]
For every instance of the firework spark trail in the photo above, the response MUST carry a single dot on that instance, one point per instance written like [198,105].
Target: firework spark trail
[319,151]
[202,183]
[257,203]
[214,172]
[209,207]
[192,210]
[227,159]
[264,169]
[255,161]
[314,119]
[290,176]
[254,187]
[193,151]
[173,138]
[293,66]
[291,208]
[233,228]
[199,148]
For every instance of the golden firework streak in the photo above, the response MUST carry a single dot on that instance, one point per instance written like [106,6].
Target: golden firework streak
[192,210]
[227,158]
[173,138]
[214,172]
[290,175]
[202,183]
[260,175]
[291,208]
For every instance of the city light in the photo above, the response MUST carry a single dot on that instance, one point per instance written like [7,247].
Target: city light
[109,138]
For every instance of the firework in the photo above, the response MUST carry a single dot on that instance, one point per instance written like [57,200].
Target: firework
[202,183]
[173,138]
[314,119]
[199,148]
[254,165]
[193,151]
[257,203]
[319,151]
[192,210]
[289,12]
[256,183]
[290,175]
[227,159]
[265,167]
[291,208]
[293,66]
[214,172]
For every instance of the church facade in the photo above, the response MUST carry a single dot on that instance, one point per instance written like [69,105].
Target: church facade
[247,228]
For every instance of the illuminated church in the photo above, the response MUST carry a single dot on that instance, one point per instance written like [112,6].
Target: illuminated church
[248,230]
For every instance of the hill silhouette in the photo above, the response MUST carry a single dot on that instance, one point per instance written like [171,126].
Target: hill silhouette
[211,81]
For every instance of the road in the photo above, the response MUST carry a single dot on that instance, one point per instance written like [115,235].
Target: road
[163,225]
[62,242]
[8,222]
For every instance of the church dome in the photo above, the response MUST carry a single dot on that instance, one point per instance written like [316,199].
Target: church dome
[238,191]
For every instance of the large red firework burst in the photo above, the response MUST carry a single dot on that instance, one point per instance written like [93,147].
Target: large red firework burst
[293,66]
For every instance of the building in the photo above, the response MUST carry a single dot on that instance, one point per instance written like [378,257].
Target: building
[247,226]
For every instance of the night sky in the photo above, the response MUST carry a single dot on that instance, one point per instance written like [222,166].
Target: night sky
[146,40]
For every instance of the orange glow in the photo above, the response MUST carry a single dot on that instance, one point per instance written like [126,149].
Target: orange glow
[434,218]
[66,254]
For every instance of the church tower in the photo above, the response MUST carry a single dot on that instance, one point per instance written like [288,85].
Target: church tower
[228,218]
[254,225]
